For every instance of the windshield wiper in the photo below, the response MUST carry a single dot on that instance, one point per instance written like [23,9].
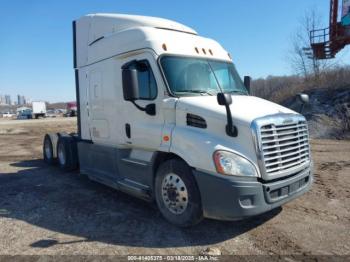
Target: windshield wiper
[196,92]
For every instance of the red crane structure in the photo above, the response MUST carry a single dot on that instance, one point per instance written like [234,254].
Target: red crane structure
[327,42]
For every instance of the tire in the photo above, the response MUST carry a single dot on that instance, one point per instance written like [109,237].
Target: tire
[67,155]
[48,150]
[177,194]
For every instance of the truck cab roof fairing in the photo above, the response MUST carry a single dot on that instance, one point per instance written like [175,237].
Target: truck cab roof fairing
[101,36]
[104,24]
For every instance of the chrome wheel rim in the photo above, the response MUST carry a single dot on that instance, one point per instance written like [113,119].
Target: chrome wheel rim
[61,154]
[47,148]
[174,194]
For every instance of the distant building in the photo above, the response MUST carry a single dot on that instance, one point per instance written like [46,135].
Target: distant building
[28,101]
[8,100]
[2,100]
[21,100]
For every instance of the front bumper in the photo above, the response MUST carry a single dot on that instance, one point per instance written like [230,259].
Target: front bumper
[235,198]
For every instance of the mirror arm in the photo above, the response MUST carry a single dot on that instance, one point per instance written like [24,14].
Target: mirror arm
[149,109]
[138,107]
[231,130]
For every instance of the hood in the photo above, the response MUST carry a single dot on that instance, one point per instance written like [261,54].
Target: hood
[244,109]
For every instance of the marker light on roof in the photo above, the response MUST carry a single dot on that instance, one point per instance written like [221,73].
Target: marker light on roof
[164,47]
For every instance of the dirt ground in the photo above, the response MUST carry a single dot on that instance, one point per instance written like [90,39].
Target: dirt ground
[44,210]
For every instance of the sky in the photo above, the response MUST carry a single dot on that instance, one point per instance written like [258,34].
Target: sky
[36,57]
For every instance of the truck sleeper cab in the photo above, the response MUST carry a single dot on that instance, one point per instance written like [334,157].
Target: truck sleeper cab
[163,115]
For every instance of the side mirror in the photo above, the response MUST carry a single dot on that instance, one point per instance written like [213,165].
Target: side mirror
[130,84]
[247,81]
[224,99]
[304,98]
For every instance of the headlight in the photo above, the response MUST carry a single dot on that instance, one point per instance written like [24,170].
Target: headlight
[227,163]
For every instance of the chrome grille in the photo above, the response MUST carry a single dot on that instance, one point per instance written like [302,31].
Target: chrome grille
[283,144]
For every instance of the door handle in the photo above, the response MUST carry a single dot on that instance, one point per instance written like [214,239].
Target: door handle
[128,130]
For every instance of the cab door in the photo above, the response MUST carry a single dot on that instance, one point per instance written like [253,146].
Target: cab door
[142,130]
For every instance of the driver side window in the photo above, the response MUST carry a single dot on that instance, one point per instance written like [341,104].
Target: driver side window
[146,80]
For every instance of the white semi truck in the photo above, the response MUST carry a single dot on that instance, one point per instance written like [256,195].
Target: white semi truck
[39,109]
[163,115]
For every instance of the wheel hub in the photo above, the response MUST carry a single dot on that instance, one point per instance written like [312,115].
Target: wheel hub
[174,194]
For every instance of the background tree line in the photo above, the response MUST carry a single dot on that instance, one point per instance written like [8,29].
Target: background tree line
[308,72]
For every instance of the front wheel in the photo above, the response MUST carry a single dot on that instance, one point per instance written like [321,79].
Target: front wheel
[177,194]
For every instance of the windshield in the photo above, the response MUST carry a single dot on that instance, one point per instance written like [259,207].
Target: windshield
[198,76]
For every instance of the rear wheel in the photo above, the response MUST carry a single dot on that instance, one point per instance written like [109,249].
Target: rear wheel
[67,152]
[177,194]
[48,151]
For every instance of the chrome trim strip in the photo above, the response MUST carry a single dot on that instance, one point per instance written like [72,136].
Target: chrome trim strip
[132,161]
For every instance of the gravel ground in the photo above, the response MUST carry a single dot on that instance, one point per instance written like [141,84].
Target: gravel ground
[46,211]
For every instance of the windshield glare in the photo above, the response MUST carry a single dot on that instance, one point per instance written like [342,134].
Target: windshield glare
[198,76]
